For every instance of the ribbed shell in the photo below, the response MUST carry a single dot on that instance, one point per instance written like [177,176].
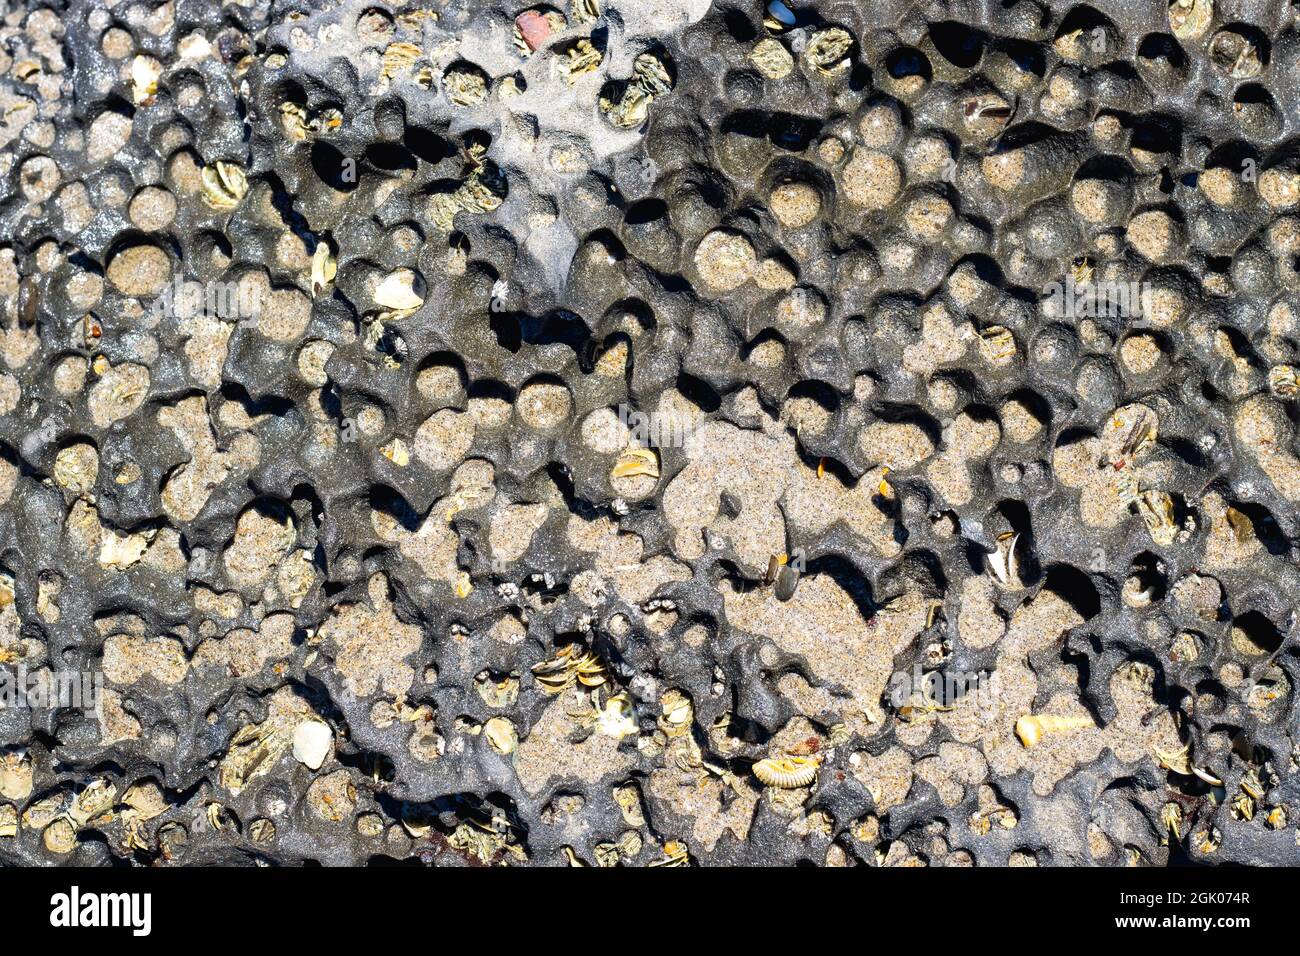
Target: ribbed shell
[788,773]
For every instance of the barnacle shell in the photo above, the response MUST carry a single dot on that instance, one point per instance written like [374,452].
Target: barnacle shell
[828,51]
[1190,19]
[15,775]
[1284,381]
[772,59]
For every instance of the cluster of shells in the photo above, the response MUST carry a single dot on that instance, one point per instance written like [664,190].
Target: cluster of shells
[650,434]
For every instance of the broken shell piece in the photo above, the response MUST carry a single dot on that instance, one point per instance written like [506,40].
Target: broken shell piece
[311,743]
[401,291]
[1004,561]
[145,71]
[397,452]
[122,551]
[787,773]
[997,344]
[651,77]
[323,267]
[636,461]
[224,185]
[1031,729]
[501,734]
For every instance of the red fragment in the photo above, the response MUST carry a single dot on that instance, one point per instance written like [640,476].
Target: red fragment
[533,27]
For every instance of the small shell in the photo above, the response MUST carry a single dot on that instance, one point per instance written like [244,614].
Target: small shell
[636,461]
[224,185]
[787,773]
[497,693]
[787,579]
[98,796]
[15,775]
[400,291]
[294,120]
[676,853]
[1004,561]
[677,713]
[311,743]
[1235,54]
[323,267]
[261,830]
[399,58]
